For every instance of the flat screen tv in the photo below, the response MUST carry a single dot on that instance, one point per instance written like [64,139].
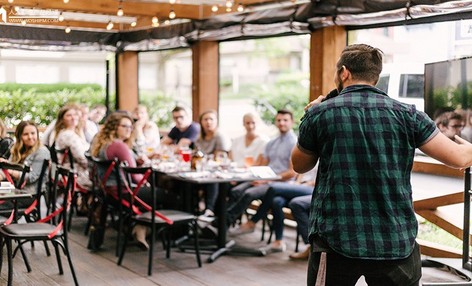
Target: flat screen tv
[448,86]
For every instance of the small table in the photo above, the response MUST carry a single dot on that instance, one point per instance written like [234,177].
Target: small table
[222,246]
[14,195]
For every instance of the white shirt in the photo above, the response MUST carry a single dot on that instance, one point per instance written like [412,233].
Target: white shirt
[239,149]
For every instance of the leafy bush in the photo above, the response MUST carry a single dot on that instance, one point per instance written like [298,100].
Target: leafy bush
[41,102]
[159,107]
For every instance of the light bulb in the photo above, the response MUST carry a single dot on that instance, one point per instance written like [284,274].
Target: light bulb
[155,24]
[110,25]
[229,4]
[155,20]
[67,30]
[120,12]
[66,1]
[167,22]
[133,24]
[61,17]
[171,14]
[23,22]
[240,8]
[172,1]
[10,1]
[228,9]
[214,8]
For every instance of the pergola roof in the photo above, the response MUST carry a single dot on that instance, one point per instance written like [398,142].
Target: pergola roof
[24,25]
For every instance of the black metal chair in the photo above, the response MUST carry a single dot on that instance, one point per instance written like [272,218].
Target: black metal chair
[162,222]
[43,230]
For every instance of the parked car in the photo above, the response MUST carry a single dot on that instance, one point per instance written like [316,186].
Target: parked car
[404,82]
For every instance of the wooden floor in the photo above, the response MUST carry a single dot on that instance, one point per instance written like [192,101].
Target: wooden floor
[100,268]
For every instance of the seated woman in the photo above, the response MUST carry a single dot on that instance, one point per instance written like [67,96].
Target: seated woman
[69,134]
[146,132]
[114,141]
[26,150]
[279,195]
[210,142]
[5,141]
[246,149]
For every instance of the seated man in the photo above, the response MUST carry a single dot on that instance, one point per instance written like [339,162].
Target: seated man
[300,207]
[450,124]
[185,132]
[280,195]
[277,156]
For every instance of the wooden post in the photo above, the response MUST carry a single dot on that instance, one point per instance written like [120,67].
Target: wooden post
[127,81]
[205,81]
[326,45]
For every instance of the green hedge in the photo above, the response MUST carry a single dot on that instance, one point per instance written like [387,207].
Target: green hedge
[41,102]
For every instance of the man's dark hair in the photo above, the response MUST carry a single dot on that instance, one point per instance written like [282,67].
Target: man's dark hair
[444,118]
[285,111]
[179,108]
[363,61]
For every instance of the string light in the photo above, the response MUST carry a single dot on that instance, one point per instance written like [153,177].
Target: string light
[109,25]
[228,9]
[167,22]
[66,1]
[240,7]
[120,10]
[133,24]
[61,17]
[155,21]
[23,22]
[229,4]
[172,14]
[10,1]
[214,8]
[67,30]
[172,1]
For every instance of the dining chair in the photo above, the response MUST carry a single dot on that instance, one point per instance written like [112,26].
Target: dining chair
[45,229]
[138,212]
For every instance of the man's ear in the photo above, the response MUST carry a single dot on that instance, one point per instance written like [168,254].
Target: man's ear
[345,73]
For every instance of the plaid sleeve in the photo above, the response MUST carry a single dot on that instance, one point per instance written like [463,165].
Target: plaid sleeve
[307,141]
[425,128]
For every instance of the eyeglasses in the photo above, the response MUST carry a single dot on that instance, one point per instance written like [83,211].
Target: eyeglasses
[458,126]
[126,126]
[178,117]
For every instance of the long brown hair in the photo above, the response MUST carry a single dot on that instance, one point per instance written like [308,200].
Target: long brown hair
[19,151]
[60,125]
[202,130]
[108,132]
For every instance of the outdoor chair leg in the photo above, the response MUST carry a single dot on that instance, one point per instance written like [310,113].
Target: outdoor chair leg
[71,266]
[23,254]
[196,243]
[58,257]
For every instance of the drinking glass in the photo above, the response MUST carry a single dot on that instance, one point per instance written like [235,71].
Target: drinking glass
[248,161]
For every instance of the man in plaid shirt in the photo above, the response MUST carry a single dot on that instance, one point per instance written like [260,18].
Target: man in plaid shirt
[362,218]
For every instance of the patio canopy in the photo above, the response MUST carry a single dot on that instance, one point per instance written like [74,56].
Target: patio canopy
[142,25]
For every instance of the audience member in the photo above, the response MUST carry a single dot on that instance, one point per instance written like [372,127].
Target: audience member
[450,124]
[69,134]
[6,141]
[277,156]
[97,113]
[89,127]
[114,141]
[278,196]
[146,132]
[247,149]
[210,142]
[27,150]
[185,132]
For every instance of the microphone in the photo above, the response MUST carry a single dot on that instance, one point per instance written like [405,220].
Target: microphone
[331,94]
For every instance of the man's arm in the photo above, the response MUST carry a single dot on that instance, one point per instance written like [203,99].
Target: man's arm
[288,174]
[450,153]
[166,140]
[303,162]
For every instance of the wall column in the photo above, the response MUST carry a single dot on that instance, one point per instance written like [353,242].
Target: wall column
[205,77]
[127,81]
[326,45]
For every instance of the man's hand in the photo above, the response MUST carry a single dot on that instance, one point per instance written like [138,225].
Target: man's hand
[315,102]
[461,141]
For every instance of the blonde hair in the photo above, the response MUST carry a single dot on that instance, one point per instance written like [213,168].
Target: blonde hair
[3,129]
[19,151]
[108,133]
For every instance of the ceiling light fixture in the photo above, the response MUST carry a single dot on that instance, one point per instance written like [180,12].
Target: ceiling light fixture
[67,30]
[109,25]
[172,14]
[214,8]
[120,10]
